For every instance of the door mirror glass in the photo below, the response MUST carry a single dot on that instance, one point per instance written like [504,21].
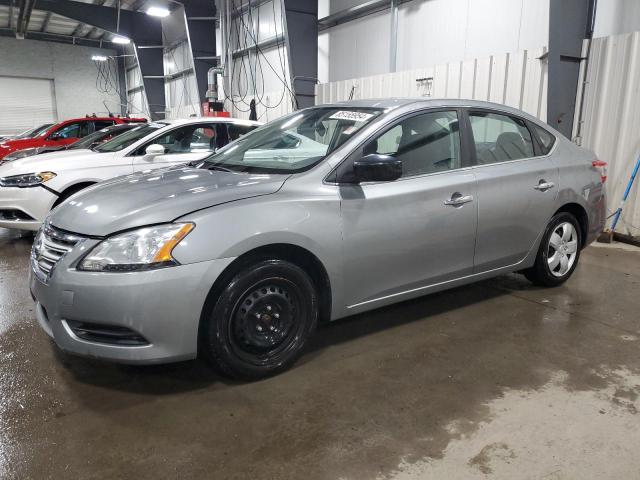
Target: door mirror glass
[377,167]
[154,150]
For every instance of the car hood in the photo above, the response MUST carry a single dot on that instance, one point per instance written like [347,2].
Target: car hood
[154,197]
[19,144]
[51,161]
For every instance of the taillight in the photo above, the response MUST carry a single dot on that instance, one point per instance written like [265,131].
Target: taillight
[602,168]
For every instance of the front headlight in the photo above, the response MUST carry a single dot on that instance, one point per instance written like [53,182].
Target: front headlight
[27,152]
[26,180]
[144,249]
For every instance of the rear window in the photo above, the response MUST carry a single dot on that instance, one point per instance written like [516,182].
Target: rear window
[545,139]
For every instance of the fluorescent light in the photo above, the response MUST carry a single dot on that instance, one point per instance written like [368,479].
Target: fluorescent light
[158,12]
[99,58]
[121,40]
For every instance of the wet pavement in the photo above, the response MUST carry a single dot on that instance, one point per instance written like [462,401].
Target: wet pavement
[495,380]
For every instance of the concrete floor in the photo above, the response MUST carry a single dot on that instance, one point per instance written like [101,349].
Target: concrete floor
[499,380]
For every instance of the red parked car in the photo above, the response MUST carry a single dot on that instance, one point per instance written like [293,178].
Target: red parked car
[64,133]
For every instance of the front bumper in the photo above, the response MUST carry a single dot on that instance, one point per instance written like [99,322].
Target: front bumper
[164,306]
[35,202]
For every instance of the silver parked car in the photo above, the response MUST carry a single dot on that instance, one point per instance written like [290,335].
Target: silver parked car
[239,256]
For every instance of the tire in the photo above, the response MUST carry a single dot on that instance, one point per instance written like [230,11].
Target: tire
[261,320]
[559,252]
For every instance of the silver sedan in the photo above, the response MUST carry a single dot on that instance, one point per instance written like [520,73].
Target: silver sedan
[330,211]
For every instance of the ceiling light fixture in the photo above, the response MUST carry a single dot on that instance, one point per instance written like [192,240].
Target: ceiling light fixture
[121,40]
[158,12]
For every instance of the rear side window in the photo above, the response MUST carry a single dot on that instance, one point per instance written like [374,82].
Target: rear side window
[500,138]
[100,124]
[545,139]
[236,131]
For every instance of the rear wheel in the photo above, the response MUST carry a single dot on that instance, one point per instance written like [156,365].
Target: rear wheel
[558,253]
[261,321]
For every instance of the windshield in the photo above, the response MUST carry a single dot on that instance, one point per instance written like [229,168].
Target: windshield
[294,143]
[34,132]
[96,137]
[130,137]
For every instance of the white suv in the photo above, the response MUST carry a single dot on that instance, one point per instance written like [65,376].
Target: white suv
[32,186]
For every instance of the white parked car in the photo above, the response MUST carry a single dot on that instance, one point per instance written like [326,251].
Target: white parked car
[30,187]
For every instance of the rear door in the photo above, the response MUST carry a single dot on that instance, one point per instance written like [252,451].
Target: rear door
[181,145]
[517,188]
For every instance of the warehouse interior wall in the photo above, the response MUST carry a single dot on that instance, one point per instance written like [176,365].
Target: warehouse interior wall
[260,74]
[69,66]
[430,32]
[617,16]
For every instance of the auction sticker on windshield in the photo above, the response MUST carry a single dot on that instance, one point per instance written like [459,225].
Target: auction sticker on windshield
[353,116]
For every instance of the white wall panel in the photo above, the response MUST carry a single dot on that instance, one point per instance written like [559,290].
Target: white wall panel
[359,48]
[614,17]
[432,32]
[26,103]
[518,80]
[71,69]
[612,116]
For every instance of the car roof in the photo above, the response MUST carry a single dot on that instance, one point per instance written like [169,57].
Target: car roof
[423,102]
[187,121]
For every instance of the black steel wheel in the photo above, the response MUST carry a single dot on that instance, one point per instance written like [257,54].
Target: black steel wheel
[261,320]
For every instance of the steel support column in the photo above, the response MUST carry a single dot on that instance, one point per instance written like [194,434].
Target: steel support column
[201,30]
[569,25]
[301,34]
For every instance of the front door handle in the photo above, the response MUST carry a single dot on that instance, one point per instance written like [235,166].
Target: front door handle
[543,186]
[457,199]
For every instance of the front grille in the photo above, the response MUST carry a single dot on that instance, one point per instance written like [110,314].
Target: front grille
[109,334]
[50,245]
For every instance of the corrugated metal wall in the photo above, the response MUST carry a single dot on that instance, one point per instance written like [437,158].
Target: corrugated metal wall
[515,79]
[612,118]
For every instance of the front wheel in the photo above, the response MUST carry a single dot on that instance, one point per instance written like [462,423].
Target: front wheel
[261,321]
[558,253]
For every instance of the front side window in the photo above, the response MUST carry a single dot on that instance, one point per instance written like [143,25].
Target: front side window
[186,139]
[426,143]
[294,143]
[129,138]
[499,138]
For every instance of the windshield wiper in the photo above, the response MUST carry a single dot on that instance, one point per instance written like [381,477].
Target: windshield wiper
[219,168]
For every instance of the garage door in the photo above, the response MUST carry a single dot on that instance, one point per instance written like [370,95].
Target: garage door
[25,103]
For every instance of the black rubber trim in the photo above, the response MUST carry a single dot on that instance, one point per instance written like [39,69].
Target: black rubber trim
[51,190]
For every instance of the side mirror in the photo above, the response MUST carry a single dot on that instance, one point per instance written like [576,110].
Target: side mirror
[154,150]
[377,168]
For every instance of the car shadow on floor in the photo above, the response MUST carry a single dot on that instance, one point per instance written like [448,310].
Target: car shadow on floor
[198,374]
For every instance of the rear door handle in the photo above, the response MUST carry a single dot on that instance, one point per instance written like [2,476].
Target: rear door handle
[457,199]
[543,186]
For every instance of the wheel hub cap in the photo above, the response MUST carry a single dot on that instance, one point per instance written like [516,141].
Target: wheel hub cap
[562,249]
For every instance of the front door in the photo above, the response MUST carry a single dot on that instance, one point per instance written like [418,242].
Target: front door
[516,189]
[181,145]
[402,236]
